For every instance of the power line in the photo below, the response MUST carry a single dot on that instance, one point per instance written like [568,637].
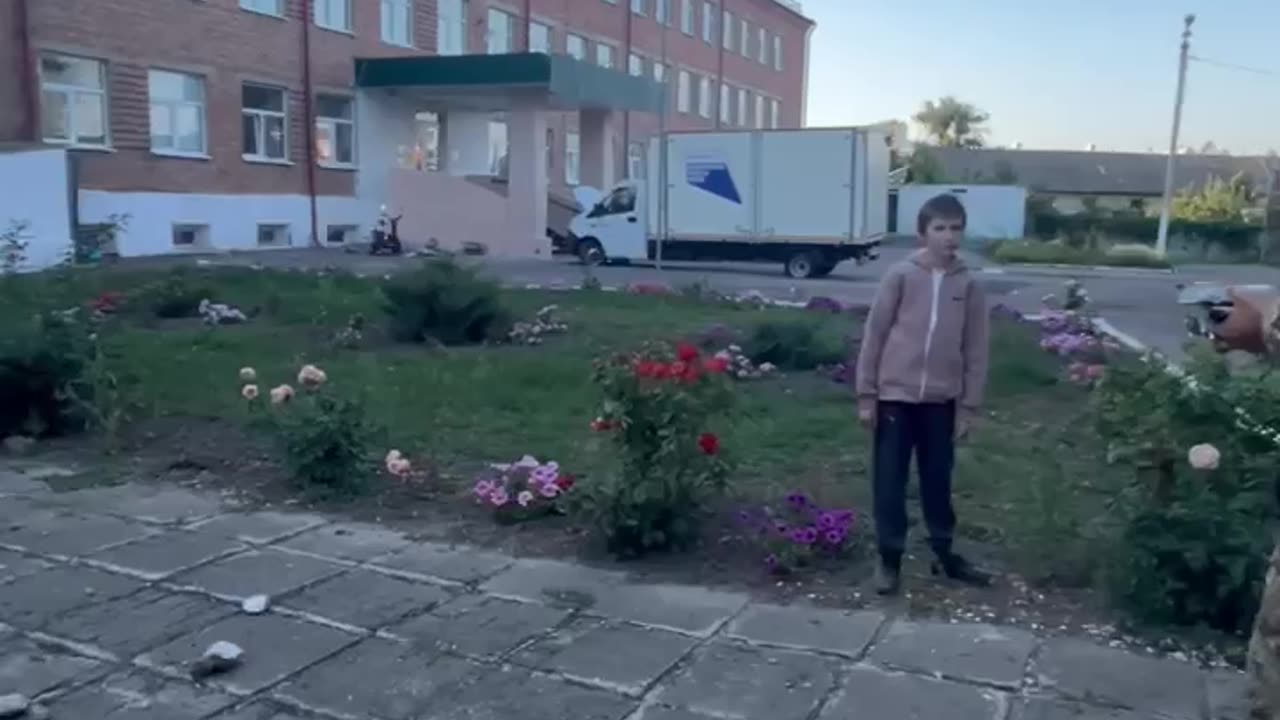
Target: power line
[1234,66]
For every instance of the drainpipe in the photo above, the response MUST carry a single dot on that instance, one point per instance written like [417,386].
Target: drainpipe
[309,124]
[31,130]
[625,62]
[528,22]
[719,43]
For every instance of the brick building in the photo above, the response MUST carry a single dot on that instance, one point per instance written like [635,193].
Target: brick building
[193,117]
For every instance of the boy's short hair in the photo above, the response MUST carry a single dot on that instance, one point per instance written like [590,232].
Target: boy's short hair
[946,206]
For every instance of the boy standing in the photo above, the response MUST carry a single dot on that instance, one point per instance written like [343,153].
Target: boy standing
[921,372]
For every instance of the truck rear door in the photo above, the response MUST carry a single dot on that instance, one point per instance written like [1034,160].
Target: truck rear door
[807,184]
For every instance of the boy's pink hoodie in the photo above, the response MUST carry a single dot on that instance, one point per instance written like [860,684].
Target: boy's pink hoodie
[926,337]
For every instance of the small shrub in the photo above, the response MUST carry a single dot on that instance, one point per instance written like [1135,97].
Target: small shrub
[1192,543]
[176,296]
[41,360]
[446,303]
[1134,255]
[659,408]
[324,436]
[792,345]
[1062,253]
[797,532]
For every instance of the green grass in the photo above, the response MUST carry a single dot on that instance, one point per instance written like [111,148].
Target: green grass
[465,406]
[1042,252]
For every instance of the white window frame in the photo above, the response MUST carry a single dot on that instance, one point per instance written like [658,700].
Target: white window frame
[635,161]
[659,72]
[744,107]
[199,233]
[684,85]
[350,233]
[260,126]
[323,15]
[635,64]
[777,52]
[708,23]
[726,30]
[496,41]
[70,94]
[662,12]
[775,111]
[762,39]
[638,7]
[606,55]
[391,11]
[451,29]
[704,97]
[331,124]
[569,41]
[274,8]
[725,105]
[547,47]
[172,107]
[572,158]
[744,37]
[281,232]
[759,112]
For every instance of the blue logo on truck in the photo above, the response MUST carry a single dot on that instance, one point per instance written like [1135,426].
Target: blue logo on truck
[711,174]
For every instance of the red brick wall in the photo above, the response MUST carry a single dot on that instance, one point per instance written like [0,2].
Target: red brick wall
[229,46]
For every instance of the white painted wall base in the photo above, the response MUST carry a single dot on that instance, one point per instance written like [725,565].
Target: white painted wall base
[231,220]
[36,196]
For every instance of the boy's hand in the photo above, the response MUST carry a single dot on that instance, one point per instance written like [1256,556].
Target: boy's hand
[867,413]
[964,423]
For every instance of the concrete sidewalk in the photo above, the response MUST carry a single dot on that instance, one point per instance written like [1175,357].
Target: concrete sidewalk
[106,594]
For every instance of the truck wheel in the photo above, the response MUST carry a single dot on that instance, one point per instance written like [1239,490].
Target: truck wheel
[803,264]
[591,252]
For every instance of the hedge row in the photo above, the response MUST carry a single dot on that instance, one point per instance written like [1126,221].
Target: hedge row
[1231,236]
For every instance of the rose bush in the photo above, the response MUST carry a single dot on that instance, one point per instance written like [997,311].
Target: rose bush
[660,406]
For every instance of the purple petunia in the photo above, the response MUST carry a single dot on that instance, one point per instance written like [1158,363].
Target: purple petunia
[804,536]
[799,500]
[834,537]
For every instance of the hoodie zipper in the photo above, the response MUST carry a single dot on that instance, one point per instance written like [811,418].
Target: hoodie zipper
[936,281]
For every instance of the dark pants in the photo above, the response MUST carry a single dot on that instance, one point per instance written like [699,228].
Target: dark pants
[929,430]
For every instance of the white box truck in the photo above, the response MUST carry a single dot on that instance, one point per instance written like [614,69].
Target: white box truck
[808,199]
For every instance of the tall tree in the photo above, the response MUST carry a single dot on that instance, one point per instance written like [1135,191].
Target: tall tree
[952,123]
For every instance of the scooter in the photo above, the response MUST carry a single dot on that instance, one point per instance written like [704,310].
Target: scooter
[386,234]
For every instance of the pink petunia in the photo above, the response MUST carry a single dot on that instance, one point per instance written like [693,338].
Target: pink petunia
[499,497]
[484,488]
[549,490]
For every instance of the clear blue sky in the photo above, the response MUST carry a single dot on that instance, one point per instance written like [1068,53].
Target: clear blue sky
[1053,73]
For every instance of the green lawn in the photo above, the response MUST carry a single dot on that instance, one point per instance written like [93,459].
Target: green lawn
[462,407]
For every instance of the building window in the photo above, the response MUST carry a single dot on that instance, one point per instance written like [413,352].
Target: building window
[177,112]
[708,23]
[333,14]
[777,53]
[635,161]
[744,118]
[186,235]
[576,46]
[273,235]
[571,155]
[74,100]
[762,43]
[704,97]
[637,6]
[263,115]
[725,104]
[759,111]
[604,55]
[726,30]
[499,147]
[686,17]
[635,65]
[340,234]
[682,91]
[539,37]
[744,38]
[659,72]
[267,7]
[773,113]
[662,11]
[501,32]
[451,27]
[335,130]
[397,22]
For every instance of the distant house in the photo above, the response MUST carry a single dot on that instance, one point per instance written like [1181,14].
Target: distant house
[1079,180]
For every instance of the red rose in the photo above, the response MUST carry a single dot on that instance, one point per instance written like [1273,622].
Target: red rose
[715,365]
[601,425]
[564,482]
[686,353]
[646,369]
[677,369]
[709,443]
[690,374]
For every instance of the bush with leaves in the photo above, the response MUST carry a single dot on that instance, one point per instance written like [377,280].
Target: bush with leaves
[176,296]
[792,345]
[42,359]
[324,435]
[1192,542]
[660,406]
[445,303]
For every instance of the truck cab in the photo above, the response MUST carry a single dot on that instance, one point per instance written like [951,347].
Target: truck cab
[611,225]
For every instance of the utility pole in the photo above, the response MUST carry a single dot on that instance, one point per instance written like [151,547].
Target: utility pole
[1162,235]
[664,196]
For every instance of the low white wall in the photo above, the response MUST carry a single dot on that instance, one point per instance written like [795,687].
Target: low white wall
[232,220]
[36,192]
[996,212]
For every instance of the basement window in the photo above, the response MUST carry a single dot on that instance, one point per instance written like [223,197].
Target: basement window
[340,234]
[190,236]
[272,235]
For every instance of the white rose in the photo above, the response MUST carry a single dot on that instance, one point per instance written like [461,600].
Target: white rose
[1204,457]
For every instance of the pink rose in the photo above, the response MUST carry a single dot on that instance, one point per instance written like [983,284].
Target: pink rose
[1204,457]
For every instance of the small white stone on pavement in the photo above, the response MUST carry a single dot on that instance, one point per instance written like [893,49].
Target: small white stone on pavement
[255,604]
[13,705]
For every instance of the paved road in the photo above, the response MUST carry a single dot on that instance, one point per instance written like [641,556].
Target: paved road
[1142,303]
[107,594]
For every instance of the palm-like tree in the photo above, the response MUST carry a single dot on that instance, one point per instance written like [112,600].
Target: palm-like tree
[952,123]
